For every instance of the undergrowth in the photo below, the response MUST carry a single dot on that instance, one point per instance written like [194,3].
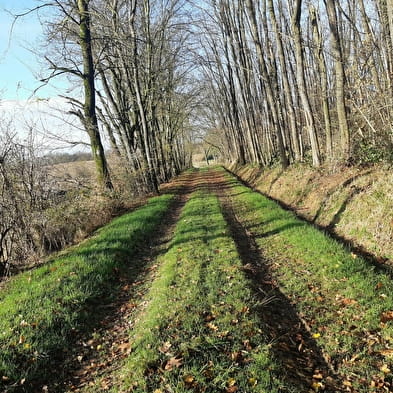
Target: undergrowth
[42,310]
[200,329]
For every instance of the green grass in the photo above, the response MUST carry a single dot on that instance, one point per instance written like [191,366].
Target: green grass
[41,310]
[200,329]
[341,295]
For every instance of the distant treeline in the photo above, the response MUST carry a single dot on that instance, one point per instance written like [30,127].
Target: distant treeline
[60,158]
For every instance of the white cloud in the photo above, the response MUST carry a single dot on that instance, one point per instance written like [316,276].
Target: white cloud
[49,119]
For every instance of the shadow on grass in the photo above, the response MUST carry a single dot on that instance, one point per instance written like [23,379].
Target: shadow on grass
[291,343]
[380,264]
[60,366]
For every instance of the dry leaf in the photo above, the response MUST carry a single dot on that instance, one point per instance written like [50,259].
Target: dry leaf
[125,347]
[188,379]
[386,316]
[245,310]
[172,363]
[212,326]
[348,302]
[247,345]
[316,386]
[165,347]
[379,286]
[386,352]
[317,375]
[385,369]
[252,382]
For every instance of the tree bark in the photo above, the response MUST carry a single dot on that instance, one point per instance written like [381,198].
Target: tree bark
[345,150]
[89,107]
[301,81]
[322,71]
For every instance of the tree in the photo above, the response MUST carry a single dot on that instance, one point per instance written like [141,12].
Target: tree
[88,76]
[335,40]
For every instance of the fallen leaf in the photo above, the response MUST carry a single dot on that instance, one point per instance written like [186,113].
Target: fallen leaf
[386,352]
[245,310]
[237,356]
[316,386]
[247,345]
[231,382]
[252,382]
[165,347]
[125,347]
[212,326]
[386,316]
[385,369]
[172,363]
[188,379]
[348,302]
[232,389]
[379,286]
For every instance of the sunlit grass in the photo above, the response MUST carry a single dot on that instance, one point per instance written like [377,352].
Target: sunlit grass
[341,295]
[41,310]
[200,329]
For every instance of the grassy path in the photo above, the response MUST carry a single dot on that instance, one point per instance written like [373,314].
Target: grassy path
[213,288]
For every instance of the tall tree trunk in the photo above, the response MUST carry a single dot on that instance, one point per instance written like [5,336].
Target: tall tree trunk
[89,107]
[301,81]
[321,65]
[153,183]
[266,82]
[345,150]
[287,90]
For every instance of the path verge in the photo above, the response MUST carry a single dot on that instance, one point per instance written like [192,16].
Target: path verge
[46,312]
[346,302]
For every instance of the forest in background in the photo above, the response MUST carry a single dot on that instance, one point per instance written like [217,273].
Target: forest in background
[259,81]
[301,80]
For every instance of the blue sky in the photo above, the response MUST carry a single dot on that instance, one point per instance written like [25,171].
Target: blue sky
[19,68]
[18,63]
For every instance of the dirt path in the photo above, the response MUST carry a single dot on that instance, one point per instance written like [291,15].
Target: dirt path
[304,365]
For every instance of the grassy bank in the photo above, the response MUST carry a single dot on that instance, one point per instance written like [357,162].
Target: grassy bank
[200,329]
[42,310]
[355,203]
[347,303]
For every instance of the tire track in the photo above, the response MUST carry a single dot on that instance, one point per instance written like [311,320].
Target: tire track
[304,364]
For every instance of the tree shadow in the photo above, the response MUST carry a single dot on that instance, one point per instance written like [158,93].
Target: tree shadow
[100,312]
[290,340]
[379,263]
[325,201]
